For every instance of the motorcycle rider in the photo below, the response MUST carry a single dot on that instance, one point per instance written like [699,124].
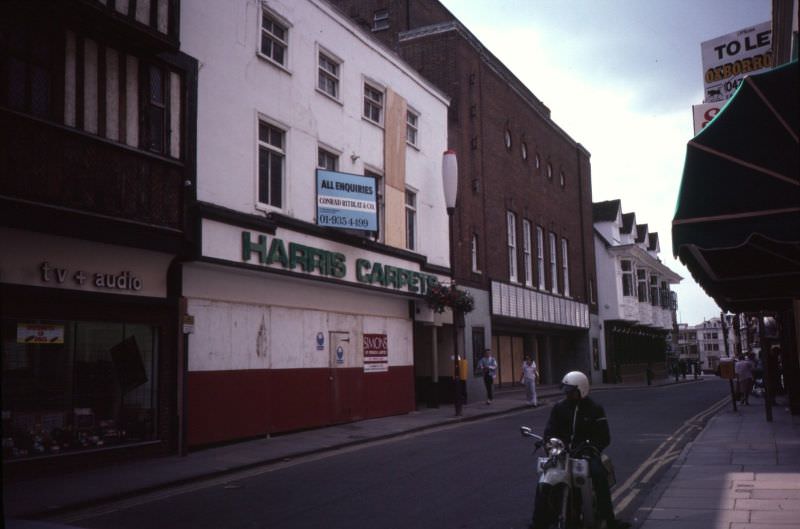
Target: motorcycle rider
[574,420]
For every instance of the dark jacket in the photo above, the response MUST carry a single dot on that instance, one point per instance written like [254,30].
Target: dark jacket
[590,423]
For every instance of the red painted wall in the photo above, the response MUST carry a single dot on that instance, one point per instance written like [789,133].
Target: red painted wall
[230,405]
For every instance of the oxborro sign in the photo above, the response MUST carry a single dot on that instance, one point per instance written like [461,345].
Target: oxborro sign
[301,258]
[729,58]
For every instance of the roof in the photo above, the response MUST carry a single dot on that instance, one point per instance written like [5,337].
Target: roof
[606,211]
[652,241]
[628,220]
[641,232]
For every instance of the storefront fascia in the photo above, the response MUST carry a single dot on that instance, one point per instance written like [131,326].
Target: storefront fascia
[294,294]
[87,330]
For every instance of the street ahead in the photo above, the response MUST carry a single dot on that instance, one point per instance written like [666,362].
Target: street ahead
[479,474]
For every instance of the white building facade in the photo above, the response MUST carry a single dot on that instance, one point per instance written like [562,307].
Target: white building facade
[634,296]
[298,324]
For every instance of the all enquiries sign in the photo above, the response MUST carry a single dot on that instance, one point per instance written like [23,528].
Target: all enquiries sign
[346,201]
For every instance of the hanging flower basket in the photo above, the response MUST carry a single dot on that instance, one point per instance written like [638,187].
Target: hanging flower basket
[440,296]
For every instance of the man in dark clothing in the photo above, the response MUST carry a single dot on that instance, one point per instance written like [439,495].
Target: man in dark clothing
[576,420]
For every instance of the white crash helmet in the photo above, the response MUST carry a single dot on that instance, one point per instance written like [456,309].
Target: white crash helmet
[575,380]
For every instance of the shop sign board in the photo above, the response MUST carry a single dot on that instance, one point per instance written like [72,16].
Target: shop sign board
[729,58]
[275,252]
[346,201]
[40,333]
[376,353]
[704,113]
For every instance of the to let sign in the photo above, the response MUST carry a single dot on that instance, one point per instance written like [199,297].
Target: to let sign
[376,353]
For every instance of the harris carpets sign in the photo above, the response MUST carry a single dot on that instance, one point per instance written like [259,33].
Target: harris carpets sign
[275,252]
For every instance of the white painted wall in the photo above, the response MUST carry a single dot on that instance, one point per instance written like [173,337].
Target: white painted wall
[237,86]
[251,320]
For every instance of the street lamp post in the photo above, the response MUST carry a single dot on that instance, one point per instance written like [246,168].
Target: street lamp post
[450,182]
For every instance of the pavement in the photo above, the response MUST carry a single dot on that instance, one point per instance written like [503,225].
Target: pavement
[740,472]
[751,480]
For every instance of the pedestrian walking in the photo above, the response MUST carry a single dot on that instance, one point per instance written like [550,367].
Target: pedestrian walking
[744,374]
[488,366]
[530,375]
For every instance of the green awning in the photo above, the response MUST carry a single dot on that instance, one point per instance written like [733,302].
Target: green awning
[737,221]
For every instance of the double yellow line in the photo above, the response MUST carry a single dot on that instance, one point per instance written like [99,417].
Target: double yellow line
[666,453]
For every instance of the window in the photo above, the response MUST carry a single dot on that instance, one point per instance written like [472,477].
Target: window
[565,265]
[373,104]
[540,255]
[641,280]
[526,252]
[380,20]
[507,138]
[524,150]
[537,161]
[271,159]
[27,67]
[377,235]
[478,346]
[274,39]
[562,178]
[155,111]
[474,252]
[328,75]
[511,221]
[412,127]
[549,171]
[654,290]
[411,220]
[553,264]
[627,277]
[327,160]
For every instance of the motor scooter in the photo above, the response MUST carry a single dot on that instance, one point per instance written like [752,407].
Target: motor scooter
[565,484]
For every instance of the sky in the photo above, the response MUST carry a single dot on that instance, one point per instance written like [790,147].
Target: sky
[620,77]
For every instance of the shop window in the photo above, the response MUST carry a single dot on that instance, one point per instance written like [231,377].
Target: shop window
[71,386]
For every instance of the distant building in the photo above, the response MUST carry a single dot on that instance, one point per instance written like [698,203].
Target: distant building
[636,304]
[710,343]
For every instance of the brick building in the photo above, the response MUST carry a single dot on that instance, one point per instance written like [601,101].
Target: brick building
[523,236]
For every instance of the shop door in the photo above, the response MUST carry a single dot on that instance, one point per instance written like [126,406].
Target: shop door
[340,355]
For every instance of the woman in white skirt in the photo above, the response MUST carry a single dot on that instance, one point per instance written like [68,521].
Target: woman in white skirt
[530,375]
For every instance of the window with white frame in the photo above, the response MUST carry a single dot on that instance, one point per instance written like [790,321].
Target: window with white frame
[641,284]
[327,160]
[411,220]
[511,227]
[553,264]
[271,161]
[379,203]
[274,38]
[412,127]
[373,103]
[565,265]
[474,253]
[540,256]
[654,290]
[527,262]
[328,75]
[627,278]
